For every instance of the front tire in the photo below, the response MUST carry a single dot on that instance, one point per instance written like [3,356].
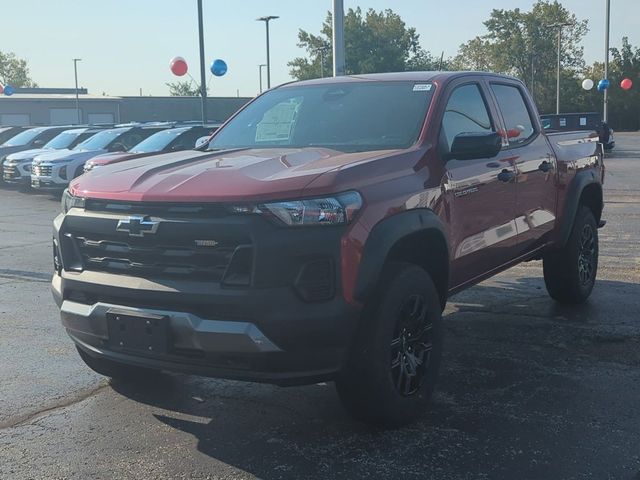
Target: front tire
[394,363]
[570,272]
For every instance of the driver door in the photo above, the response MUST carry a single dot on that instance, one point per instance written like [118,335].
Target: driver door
[480,193]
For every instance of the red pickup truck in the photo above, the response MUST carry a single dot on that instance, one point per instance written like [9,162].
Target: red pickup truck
[319,233]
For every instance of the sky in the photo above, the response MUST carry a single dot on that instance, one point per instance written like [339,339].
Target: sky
[126,45]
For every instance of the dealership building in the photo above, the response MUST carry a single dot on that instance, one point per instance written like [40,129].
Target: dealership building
[57,106]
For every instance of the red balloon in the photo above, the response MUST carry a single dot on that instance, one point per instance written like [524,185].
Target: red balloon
[178,66]
[626,84]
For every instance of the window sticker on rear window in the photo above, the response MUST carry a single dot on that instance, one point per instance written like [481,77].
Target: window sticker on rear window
[422,87]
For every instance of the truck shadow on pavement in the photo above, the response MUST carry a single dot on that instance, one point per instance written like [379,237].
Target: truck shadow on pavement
[529,389]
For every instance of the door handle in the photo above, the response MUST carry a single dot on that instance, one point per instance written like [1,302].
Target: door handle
[506,175]
[545,166]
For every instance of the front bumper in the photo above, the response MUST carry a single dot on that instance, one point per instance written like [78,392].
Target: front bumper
[17,173]
[264,332]
[47,176]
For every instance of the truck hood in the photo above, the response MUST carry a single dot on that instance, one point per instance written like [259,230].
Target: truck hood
[27,155]
[66,155]
[231,175]
[113,157]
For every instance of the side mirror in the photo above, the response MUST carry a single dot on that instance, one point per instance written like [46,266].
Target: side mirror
[471,145]
[38,142]
[202,141]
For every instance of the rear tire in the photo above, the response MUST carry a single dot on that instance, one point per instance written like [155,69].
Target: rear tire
[395,358]
[115,370]
[570,272]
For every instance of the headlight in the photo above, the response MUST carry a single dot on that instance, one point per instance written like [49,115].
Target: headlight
[69,201]
[338,210]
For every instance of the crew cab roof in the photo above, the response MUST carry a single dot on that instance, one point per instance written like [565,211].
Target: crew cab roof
[396,77]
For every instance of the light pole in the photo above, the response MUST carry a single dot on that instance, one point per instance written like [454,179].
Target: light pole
[260,74]
[605,111]
[559,26]
[75,72]
[266,21]
[338,38]
[533,71]
[203,75]
[321,51]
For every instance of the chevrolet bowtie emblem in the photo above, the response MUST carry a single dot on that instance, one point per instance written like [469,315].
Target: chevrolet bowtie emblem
[137,226]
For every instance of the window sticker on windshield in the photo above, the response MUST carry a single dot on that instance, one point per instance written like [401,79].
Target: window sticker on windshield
[422,87]
[277,123]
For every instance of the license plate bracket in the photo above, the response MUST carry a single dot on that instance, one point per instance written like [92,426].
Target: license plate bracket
[138,332]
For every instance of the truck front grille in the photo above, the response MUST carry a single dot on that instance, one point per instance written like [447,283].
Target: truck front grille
[207,263]
[161,245]
[42,170]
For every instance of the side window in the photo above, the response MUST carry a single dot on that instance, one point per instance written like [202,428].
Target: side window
[515,113]
[466,112]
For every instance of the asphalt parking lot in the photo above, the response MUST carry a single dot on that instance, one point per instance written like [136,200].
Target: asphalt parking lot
[529,389]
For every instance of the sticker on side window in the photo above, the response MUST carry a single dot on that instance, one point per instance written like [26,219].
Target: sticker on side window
[422,87]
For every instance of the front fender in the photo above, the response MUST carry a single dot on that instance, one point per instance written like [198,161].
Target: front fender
[382,239]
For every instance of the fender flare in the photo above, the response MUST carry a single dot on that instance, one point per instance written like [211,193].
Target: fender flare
[578,184]
[382,238]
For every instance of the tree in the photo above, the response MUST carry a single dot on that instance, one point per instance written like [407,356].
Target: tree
[524,44]
[624,106]
[14,71]
[184,88]
[374,42]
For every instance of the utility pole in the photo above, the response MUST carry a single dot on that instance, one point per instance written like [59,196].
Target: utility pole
[75,71]
[266,21]
[338,38]
[203,75]
[605,111]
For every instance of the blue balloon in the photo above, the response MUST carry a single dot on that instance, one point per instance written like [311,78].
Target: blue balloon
[218,67]
[8,90]
[603,85]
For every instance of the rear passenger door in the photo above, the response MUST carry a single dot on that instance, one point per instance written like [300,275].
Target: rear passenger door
[535,164]
[480,193]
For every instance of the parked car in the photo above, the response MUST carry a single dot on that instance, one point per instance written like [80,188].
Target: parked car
[7,132]
[54,170]
[319,236]
[35,137]
[17,166]
[587,121]
[170,140]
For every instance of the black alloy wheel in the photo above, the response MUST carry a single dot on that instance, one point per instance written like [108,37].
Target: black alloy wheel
[411,346]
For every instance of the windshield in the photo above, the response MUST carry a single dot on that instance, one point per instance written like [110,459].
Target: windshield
[23,138]
[349,117]
[64,139]
[100,140]
[158,141]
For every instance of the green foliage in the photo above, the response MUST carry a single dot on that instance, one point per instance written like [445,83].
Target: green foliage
[14,71]
[374,42]
[184,88]
[522,43]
